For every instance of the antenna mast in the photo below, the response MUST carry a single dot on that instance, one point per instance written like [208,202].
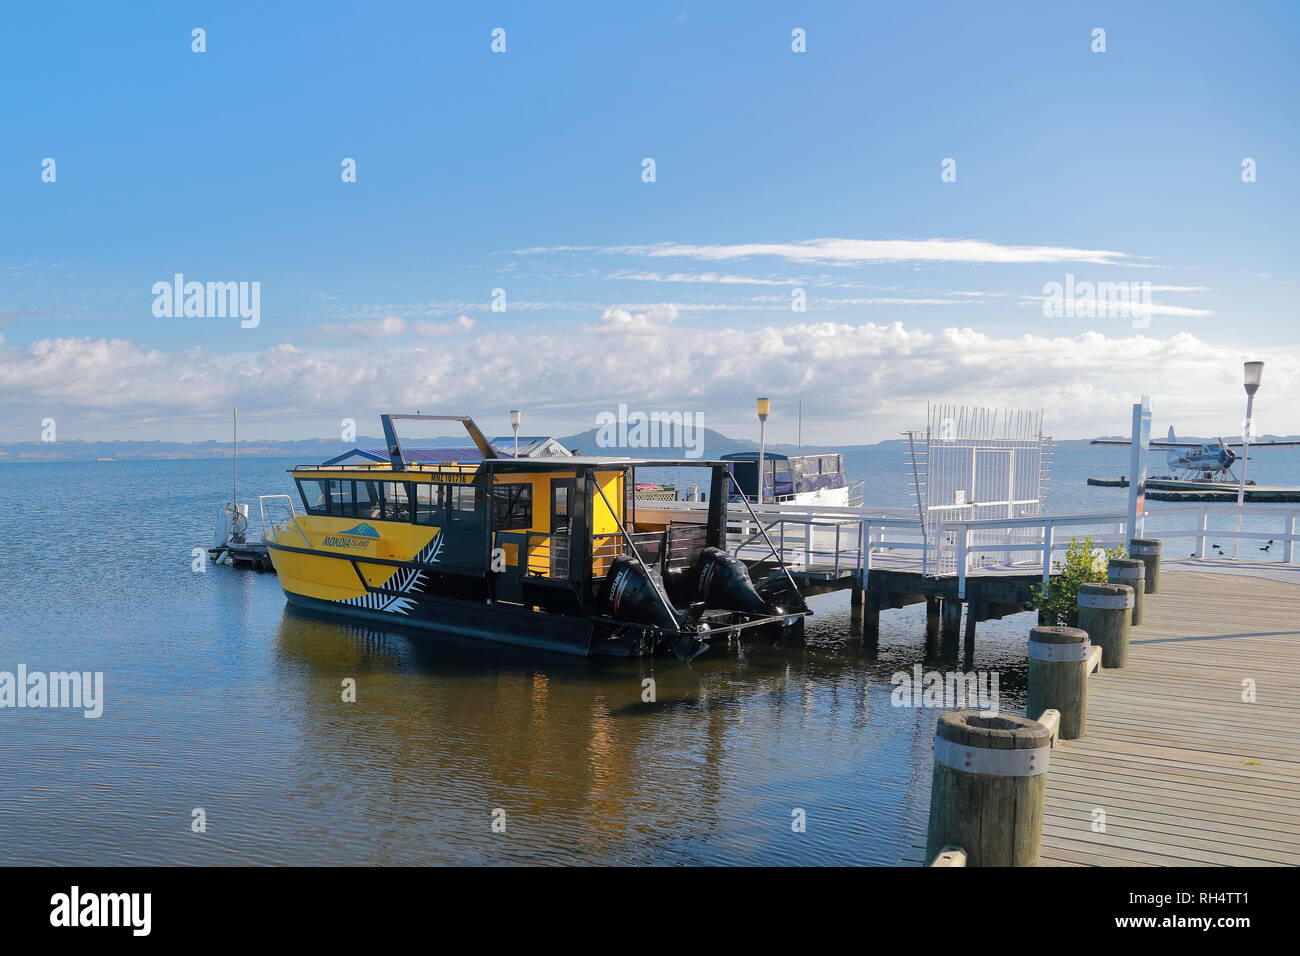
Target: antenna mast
[234,468]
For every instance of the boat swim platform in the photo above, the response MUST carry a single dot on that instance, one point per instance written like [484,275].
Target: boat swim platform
[1185,771]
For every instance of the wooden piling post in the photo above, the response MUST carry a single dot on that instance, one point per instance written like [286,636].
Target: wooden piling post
[950,856]
[1147,550]
[987,793]
[1058,676]
[856,596]
[931,620]
[1104,612]
[950,624]
[1133,572]
[870,616]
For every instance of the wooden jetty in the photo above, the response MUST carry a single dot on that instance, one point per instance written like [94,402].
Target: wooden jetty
[1184,770]
[1173,489]
[243,554]
[1183,750]
[977,570]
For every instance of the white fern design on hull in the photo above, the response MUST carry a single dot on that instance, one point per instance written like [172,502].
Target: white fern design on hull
[406,580]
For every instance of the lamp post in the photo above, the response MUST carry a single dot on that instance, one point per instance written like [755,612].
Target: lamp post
[514,425]
[764,406]
[1253,372]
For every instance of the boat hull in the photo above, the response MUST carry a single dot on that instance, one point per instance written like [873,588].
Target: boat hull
[522,628]
[825,497]
[399,590]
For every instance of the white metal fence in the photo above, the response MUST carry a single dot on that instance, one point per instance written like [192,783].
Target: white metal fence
[836,541]
[976,464]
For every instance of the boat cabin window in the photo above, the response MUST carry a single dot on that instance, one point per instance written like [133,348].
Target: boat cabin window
[512,507]
[365,501]
[421,502]
[562,492]
[430,504]
[437,503]
[463,499]
[397,500]
[326,496]
[782,478]
[315,495]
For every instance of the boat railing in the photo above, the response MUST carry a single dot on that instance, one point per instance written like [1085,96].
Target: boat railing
[547,555]
[684,544]
[271,529]
[857,492]
[544,555]
[829,545]
[656,494]
[426,467]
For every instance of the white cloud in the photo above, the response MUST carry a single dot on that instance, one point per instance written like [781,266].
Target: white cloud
[873,378]
[387,327]
[848,251]
[622,320]
[1153,308]
[713,278]
[461,323]
[824,303]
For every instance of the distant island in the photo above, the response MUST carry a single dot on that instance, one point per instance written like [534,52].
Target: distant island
[715,445]
[311,450]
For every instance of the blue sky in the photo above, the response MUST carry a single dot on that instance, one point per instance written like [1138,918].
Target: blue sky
[523,171]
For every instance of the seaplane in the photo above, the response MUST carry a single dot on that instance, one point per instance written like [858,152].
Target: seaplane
[1199,461]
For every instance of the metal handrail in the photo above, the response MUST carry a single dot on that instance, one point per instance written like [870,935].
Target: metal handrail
[1049,523]
[293,516]
[659,593]
[780,563]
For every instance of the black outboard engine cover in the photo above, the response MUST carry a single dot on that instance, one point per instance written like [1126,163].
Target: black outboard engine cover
[723,583]
[628,594]
[778,591]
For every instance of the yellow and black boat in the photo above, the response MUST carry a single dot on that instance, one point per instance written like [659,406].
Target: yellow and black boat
[541,552]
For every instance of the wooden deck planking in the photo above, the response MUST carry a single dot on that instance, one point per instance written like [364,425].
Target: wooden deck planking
[1169,739]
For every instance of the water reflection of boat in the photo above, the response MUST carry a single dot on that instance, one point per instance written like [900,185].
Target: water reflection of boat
[541,552]
[586,771]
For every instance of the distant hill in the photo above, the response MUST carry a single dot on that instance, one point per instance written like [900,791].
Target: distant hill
[310,450]
[715,445]
[307,450]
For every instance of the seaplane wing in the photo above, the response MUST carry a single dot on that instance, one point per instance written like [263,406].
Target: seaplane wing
[1161,443]
[1257,444]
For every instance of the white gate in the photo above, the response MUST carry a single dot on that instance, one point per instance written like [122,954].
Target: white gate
[978,463]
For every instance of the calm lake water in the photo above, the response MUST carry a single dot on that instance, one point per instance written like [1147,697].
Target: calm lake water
[219,696]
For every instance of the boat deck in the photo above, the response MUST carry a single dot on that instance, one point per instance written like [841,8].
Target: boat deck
[1187,773]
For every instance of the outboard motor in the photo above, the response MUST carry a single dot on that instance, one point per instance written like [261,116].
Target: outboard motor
[628,594]
[723,583]
[777,590]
